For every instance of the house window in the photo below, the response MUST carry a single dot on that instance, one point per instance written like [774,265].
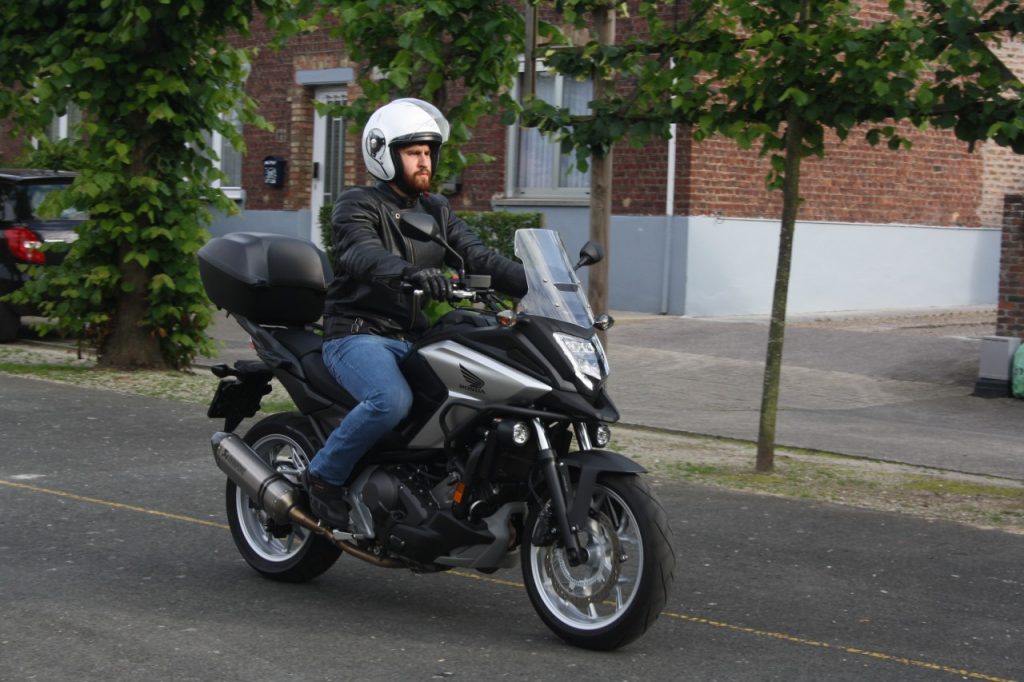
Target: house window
[63,127]
[228,160]
[540,168]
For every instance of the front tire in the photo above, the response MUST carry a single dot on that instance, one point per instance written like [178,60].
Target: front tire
[287,553]
[614,596]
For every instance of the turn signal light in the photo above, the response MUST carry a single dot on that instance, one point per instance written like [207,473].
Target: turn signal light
[506,318]
[25,245]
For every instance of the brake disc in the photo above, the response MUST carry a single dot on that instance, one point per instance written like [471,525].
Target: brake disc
[592,581]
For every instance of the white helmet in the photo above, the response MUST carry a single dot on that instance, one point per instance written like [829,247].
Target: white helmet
[399,124]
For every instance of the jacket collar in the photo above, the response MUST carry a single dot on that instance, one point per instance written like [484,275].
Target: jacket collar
[396,198]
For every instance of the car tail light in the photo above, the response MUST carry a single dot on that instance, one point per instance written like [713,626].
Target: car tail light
[24,245]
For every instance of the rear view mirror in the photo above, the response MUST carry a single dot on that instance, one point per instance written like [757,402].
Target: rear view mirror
[591,253]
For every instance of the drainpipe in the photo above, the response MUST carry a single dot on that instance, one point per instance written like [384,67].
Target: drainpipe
[670,200]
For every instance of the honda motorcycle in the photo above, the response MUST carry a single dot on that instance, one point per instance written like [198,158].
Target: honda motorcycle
[500,461]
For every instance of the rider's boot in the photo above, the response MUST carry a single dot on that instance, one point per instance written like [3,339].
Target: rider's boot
[327,501]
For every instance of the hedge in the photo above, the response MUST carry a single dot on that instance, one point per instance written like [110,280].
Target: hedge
[497,229]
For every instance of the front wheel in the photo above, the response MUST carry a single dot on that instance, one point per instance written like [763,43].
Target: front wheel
[284,552]
[615,595]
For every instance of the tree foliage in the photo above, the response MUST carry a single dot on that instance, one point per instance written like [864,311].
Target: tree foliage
[150,78]
[461,55]
[779,75]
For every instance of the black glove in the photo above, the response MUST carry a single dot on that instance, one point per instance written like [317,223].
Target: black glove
[432,281]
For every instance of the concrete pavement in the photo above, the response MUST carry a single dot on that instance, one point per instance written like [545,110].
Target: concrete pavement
[892,386]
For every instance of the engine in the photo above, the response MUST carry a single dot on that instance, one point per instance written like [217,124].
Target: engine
[411,510]
[406,494]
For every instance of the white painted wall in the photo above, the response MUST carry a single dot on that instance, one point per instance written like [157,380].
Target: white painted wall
[730,267]
[705,266]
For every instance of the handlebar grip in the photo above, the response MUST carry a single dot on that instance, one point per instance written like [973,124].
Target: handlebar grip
[410,288]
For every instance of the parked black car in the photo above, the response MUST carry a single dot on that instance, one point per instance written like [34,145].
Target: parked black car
[24,232]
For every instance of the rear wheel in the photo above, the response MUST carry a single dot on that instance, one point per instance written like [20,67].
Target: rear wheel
[611,598]
[285,552]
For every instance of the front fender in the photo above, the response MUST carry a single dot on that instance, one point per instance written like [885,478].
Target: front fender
[590,464]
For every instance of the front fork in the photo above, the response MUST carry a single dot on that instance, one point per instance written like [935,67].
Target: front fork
[557,490]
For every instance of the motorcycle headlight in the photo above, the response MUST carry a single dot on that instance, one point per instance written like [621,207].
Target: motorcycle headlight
[586,357]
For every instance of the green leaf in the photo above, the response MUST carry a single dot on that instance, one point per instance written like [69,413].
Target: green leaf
[161,281]
[924,97]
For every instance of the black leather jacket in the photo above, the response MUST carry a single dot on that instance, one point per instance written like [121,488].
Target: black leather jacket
[371,254]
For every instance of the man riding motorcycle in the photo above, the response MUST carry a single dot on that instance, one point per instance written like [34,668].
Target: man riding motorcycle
[370,318]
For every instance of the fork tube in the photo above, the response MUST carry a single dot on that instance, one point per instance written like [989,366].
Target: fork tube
[546,456]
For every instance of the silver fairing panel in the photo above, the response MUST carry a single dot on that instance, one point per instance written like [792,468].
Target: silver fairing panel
[474,377]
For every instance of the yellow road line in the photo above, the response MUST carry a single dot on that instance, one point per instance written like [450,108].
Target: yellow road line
[511,583]
[112,505]
[837,647]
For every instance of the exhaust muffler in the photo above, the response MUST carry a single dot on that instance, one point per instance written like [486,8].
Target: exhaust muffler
[269,489]
[275,494]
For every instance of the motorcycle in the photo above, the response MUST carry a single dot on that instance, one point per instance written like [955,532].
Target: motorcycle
[482,474]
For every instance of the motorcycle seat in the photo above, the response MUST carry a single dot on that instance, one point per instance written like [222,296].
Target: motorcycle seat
[305,345]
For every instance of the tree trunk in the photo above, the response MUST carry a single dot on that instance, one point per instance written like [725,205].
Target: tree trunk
[600,219]
[128,345]
[777,329]
[601,185]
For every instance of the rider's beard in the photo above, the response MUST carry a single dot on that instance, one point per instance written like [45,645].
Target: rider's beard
[419,181]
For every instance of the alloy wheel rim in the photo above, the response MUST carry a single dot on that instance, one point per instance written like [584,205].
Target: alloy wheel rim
[285,456]
[600,590]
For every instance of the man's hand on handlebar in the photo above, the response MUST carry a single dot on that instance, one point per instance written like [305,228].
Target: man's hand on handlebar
[432,281]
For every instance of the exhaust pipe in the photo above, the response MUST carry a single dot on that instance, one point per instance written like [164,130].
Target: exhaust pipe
[270,490]
[275,494]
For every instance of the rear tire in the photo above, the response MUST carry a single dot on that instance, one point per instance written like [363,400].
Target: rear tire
[613,597]
[287,553]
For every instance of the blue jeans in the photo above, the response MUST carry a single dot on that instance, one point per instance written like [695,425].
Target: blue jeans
[367,367]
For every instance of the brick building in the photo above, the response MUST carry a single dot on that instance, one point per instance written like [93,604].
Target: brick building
[694,231]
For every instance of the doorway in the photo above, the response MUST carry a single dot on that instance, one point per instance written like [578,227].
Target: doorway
[328,158]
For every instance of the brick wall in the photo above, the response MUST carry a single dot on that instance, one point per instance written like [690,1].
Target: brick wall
[936,183]
[1004,170]
[288,106]
[1004,174]
[638,182]
[1010,316]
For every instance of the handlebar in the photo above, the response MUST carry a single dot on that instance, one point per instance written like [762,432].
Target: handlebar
[457,294]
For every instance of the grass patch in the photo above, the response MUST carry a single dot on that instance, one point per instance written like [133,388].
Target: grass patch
[828,477]
[941,487]
[56,364]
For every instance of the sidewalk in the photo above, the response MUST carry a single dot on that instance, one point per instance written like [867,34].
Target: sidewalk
[892,386]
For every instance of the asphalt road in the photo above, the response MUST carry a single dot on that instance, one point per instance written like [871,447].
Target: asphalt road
[117,565]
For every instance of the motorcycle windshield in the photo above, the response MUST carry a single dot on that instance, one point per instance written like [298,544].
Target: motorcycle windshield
[553,290]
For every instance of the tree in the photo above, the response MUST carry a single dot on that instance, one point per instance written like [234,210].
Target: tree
[461,55]
[784,72]
[150,77]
